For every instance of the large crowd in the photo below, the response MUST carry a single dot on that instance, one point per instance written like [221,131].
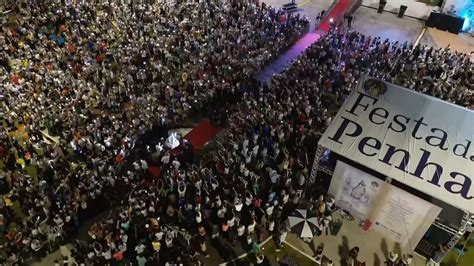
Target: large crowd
[81,87]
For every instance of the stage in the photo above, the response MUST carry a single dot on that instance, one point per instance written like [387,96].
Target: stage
[374,248]
[386,25]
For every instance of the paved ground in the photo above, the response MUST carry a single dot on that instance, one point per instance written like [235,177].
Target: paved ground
[374,248]
[462,42]
[386,25]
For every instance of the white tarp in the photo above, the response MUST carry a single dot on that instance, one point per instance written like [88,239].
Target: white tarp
[416,139]
[395,213]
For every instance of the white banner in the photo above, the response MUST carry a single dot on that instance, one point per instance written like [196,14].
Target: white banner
[397,214]
[355,190]
[404,217]
[416,139]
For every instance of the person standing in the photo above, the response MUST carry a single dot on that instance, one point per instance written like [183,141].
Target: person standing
[392,258]
[441,253]
[280,236]
[351,260]
[349,19]
[319,17]
[202,241]
[406,260]
[318,255]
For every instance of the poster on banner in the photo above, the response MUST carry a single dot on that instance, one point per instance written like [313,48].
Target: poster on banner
[416,139]
[355,190]
[404,217]
[397,214]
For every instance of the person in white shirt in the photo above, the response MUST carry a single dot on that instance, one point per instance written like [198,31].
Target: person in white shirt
[140,248]
[251,227]
[271,225]
[166,158]
[231,221]
[107,254]
[181,189]
[407,259]
[176,164]
[260,258]
[238,204]
[274,176]
[143,164]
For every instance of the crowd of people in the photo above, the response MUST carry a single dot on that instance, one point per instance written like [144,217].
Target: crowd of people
[80,87]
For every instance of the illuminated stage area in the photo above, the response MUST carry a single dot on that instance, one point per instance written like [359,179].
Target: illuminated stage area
[466,11]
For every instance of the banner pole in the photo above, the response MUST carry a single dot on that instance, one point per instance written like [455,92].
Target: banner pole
[314,168]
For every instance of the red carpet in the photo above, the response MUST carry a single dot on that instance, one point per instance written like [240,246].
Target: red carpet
[337,13]
[202,133]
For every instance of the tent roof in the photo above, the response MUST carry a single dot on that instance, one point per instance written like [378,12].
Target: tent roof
[417,139]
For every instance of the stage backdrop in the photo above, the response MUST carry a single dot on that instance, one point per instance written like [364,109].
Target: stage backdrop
[397,214]
[419,140]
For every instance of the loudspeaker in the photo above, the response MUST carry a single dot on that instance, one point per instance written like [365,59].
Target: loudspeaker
[402,11]
[445,22]
[432,20]
[381,6]
[290,6]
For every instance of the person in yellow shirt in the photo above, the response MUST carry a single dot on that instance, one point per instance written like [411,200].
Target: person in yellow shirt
[156,245]
[25,62]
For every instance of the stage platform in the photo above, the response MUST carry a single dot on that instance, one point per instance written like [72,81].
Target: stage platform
[374,248]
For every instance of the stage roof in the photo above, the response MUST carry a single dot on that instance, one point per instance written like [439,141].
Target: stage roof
[419,140]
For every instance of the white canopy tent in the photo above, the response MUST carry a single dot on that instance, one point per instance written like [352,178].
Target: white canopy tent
[418,140]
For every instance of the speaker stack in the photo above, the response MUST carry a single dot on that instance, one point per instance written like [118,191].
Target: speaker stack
[402,11]
[382,4]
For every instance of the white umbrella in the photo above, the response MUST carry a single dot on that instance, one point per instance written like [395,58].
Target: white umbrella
[303,224]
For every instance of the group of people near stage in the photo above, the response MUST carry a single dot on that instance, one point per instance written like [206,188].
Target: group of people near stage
[81,86]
